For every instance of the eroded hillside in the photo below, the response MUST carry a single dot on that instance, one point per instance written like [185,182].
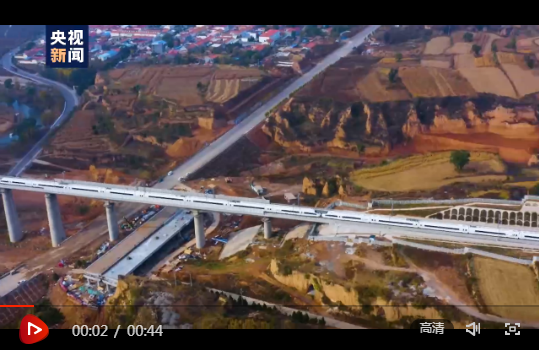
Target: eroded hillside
[485,123]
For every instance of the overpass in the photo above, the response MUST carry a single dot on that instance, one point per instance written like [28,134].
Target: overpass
[198,203]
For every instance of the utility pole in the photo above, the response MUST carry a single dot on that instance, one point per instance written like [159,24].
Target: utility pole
[191,279]
[392,207]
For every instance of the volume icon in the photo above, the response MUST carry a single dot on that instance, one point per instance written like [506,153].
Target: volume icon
[475,328]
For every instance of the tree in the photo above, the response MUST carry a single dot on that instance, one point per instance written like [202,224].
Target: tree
[48,118]
[513,44]
[494,47]
[322,322]
[529,61]
[8,83]
[398,56]
[468,37]
[460,159]
[476,49]
[393,75]
[534,191]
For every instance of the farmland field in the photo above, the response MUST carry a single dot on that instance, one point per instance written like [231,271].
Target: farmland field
[181,83]
[502,283]
[444,64]
[464,61]
[434,170]
[433,82]
[459,49]
[374,88]
[524,79]
[489,80]
[438,46]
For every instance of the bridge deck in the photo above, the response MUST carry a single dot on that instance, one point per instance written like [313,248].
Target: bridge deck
[143,252]
[115,255]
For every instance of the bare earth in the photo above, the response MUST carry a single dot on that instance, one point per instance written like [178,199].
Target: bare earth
[459,49]
[524,79]
[510,290]
[438,46]
[489,80]
[434,82]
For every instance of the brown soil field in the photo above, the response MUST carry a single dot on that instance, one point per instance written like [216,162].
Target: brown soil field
[489,80]
[222,90]
[525,80]
[234,72]
[340,81]
[464,61]
[188,146]
[502,283]
[438,46]
[448,269]
[180,83]
[433,82]
[375,87]
[77,133]
[459,49]
[444,64]
[183,90]
[434,170]
[510,150]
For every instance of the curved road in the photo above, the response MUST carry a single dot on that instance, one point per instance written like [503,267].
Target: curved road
[71,102]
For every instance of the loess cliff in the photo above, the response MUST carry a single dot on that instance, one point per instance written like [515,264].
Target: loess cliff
[486,123]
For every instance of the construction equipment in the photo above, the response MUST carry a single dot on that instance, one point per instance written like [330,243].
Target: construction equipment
[127,223]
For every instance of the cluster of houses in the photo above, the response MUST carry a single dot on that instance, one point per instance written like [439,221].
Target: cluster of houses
[146,41]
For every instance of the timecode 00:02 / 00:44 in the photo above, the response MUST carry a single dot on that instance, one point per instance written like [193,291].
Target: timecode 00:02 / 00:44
[102,331]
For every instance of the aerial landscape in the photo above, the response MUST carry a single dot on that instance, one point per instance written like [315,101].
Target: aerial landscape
[272,177]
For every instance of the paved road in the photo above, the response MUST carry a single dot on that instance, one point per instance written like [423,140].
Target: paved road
[98,227]
[70,96]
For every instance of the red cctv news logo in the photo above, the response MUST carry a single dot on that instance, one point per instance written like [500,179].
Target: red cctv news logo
[33,330]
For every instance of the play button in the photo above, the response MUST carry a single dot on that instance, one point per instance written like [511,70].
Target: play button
[30,326]
[33,330]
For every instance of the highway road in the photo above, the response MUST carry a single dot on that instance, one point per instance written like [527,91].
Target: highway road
[98,227]
[71,102]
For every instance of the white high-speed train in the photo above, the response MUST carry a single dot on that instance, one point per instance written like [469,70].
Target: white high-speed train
[261,208]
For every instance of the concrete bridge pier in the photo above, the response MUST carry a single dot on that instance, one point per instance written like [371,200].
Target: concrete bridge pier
[112,221]
[268,229]
[199,229]
[58,234]
[13,223]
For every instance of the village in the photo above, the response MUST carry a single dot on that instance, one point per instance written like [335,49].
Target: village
[246,45]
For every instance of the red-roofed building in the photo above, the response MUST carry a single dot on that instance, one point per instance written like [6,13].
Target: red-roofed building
[270,35]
